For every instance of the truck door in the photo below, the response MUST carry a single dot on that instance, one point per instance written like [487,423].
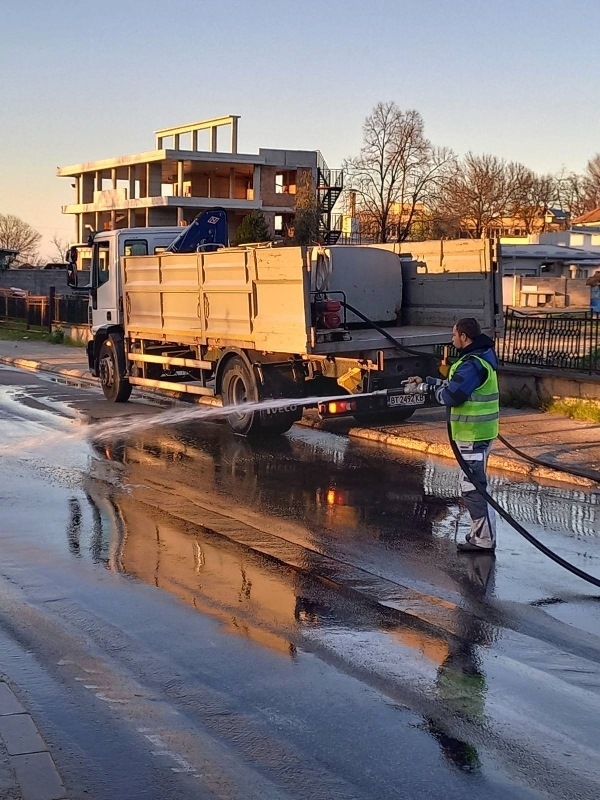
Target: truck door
[104,294]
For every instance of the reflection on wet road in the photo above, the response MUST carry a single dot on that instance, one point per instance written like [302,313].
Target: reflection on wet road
[292,616]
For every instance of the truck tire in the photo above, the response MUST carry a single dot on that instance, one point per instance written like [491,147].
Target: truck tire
[114,384]
[239,386]
[386,417]
[278,425]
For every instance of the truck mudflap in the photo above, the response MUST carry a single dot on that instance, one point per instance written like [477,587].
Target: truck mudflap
[380,402]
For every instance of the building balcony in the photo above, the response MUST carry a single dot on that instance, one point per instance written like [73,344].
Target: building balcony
[115,201]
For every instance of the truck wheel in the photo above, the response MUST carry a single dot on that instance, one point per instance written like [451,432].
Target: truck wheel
[239,386]
[115,386]
[280,425]
[386,417]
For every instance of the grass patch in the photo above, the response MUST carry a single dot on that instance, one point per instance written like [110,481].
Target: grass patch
[57,336]
[585,410]
[17,333]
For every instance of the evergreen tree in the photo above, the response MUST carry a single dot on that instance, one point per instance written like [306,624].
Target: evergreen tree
[254,228]
[306,226]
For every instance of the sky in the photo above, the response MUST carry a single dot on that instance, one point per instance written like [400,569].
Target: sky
[84,81]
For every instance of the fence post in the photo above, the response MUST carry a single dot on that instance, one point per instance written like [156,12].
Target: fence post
[51,301]
[594,342]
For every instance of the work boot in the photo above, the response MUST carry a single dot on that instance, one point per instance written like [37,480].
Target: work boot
[468,546]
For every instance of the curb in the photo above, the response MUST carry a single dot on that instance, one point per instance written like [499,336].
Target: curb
[41,366]
[505,464]
[28,757]
[442,449]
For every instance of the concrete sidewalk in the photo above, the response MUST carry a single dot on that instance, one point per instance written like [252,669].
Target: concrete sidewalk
[553,438]
[27,771]
[45,357]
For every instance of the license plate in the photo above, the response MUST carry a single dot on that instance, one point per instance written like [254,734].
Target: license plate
[406,400]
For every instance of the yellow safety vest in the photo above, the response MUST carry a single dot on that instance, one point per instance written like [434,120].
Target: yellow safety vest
[476,420]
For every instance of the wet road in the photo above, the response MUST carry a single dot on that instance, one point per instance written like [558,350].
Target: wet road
[193,615]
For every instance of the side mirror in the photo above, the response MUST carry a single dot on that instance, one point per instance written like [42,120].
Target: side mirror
[71,276]
[71,259]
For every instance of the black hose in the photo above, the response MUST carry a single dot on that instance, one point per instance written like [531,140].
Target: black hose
[508,518]
[579,473]
[382,331]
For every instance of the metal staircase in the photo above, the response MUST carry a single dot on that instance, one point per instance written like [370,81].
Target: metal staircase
[330,184]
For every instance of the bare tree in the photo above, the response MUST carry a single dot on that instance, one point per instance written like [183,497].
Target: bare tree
[61,246]
[571,193]
[423,190]
[546,190]
[395,172]
[15,234]
[591,183]
[438,222]
[531,197]
[579,193]
[478,193]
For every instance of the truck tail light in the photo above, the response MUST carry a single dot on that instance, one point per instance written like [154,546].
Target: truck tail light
[341,406]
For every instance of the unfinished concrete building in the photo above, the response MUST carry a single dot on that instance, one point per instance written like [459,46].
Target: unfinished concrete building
[177,180]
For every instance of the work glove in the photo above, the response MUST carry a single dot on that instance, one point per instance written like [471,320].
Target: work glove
[416,385]
[415,388]
[410,384]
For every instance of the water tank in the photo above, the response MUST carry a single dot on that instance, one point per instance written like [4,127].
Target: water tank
[370,277]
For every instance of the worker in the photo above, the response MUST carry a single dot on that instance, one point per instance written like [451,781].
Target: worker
[471,392]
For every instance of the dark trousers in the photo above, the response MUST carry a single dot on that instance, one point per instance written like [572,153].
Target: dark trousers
[483,517]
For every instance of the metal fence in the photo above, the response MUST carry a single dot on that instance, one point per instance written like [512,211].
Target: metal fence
[560,341]
[71,309]
[34,311]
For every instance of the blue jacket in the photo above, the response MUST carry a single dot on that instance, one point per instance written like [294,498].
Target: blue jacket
[469,375]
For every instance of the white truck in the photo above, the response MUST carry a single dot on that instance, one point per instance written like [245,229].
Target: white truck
[252,323]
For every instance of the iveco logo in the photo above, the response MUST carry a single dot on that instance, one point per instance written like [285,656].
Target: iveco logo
[281,409]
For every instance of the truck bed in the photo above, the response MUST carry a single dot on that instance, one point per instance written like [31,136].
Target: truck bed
[261,299]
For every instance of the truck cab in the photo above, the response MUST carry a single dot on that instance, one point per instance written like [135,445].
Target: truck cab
[102,256]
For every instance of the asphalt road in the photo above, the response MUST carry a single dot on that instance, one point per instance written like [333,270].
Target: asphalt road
[188,614]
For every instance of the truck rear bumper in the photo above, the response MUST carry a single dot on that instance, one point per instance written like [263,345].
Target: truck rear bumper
[382,401]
